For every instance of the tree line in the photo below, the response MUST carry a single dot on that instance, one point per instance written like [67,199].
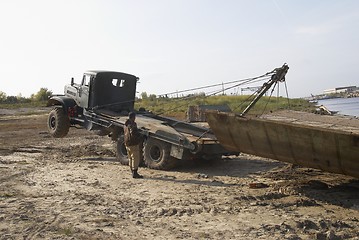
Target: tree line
[42,95]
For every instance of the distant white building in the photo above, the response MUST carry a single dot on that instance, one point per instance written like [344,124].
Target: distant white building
[341,90]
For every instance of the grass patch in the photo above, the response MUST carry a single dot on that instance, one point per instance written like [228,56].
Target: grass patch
[32,112]
[23,162]
[6,195]
[178,107]
[23,105]
[67,231]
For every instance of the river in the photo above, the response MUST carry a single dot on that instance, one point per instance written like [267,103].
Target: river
[346,106]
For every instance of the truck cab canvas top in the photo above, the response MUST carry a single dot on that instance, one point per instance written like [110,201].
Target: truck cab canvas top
[112,90]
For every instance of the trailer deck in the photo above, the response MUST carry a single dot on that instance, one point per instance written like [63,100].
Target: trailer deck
[193,137]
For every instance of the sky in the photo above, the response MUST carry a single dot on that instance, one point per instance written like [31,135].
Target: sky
[172,45]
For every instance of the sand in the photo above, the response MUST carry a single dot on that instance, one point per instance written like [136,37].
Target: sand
[73,188]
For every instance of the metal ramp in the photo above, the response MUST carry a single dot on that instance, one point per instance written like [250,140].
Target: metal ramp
[323,145]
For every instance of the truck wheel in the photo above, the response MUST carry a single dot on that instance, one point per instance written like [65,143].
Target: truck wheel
[121,152]
[58,123]
[156,155]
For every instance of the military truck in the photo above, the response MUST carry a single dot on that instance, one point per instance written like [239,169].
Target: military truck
[101,103]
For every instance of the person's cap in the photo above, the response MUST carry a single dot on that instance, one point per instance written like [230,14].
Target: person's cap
[132,115]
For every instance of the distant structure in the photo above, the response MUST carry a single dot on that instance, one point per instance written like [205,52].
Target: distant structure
[252,89]
[337,90]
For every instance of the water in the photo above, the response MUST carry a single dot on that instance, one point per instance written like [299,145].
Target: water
[346,106]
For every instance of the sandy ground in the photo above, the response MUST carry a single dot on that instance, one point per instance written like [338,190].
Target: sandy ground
[73,188]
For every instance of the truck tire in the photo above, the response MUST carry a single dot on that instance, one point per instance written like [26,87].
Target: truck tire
[156,155]
[121,152]
[58,123]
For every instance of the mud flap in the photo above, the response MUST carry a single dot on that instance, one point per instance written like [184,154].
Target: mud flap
[176,152]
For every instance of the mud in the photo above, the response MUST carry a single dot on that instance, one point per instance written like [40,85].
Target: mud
[73,188]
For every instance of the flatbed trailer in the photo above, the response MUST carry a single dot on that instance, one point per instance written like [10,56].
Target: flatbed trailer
[101,103]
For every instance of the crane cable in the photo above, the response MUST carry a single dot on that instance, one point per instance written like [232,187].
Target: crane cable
[246,80]
[241,82]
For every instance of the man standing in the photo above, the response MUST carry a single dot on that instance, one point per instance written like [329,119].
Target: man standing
[133,139]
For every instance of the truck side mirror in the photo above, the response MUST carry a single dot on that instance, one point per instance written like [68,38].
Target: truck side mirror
[72,81]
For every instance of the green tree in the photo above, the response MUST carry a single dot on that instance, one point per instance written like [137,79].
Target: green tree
[21,99]
[2,96]
[42,95]
[144,95]
[11,99]
[152,97]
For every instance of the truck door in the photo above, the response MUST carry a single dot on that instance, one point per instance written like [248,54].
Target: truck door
[83,91]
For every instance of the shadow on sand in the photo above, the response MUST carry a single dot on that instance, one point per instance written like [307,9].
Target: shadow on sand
[239,166]
[344,194]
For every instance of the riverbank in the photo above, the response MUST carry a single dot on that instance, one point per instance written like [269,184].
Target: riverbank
[344,106]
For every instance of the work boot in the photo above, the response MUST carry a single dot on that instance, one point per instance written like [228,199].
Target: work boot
[136,175]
